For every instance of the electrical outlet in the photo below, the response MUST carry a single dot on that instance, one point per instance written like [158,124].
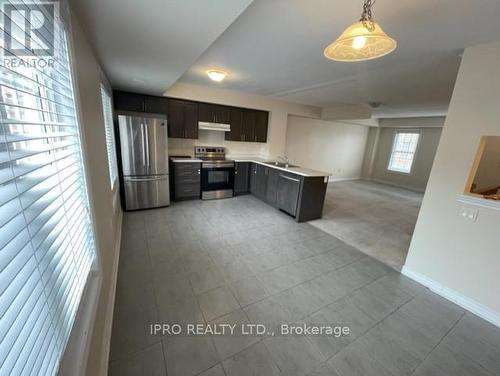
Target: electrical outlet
[469,214]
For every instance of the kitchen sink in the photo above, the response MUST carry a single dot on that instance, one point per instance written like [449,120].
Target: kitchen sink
[280,164]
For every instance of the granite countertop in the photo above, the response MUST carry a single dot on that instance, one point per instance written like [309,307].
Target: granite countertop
[294,170]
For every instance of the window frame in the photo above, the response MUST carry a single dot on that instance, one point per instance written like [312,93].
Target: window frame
[393,147]
[110,133]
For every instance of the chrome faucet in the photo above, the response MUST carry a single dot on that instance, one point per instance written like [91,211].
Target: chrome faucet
[284,159]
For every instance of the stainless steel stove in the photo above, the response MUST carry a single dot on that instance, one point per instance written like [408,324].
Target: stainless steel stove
[217,173]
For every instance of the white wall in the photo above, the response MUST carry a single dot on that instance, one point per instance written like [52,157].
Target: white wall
[105,205]
[488,172]
[422,164]
[379,147]
[334,147]
[457,256]
[278,117]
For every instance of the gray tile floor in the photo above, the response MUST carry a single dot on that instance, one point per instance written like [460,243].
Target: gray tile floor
[241,261]
[377,219]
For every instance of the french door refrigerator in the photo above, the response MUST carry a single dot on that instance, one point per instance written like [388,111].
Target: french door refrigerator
[144,152]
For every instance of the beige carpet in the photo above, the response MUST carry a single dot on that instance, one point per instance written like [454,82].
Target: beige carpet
[377,219]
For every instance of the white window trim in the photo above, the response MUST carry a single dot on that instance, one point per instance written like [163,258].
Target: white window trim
[414,131]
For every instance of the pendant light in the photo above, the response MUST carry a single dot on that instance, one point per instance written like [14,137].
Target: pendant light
[216,75]
[363,40]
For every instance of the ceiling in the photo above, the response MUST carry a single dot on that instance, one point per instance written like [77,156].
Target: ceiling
[147,45]
[275,47]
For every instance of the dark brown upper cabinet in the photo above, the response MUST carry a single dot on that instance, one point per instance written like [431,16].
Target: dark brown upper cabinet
[132,102]
[191,119]
[125,101]
[213,113]
[236,122]
[260,126]
[155,105]
[247,125]
[183,119]
[176,119]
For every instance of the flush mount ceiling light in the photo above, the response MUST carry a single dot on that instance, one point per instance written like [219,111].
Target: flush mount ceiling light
[363,40]
[216,75]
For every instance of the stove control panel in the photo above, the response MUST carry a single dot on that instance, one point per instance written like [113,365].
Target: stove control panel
[209,152]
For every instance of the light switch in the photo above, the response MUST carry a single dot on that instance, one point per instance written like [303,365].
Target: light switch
[469,214]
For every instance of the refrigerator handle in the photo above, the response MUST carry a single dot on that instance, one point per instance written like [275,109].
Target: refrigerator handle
[149,178]
[146,131]
[143,145]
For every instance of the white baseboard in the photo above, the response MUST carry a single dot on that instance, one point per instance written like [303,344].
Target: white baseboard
[408,187]
[108,325]
[454,296]
[331,179]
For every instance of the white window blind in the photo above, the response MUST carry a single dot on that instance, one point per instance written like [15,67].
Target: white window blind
[107,110]
[403,151]
[47,244]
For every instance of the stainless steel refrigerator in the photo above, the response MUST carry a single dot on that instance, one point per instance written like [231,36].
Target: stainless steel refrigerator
[144,151]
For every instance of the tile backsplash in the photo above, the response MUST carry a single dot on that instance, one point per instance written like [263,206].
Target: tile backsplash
[178,146]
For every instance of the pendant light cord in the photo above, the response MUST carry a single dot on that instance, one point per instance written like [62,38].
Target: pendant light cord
[366,16]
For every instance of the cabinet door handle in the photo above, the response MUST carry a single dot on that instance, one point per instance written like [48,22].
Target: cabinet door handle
[289,178]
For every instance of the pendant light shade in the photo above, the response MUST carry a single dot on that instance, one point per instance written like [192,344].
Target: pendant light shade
[216,75]
[363,40]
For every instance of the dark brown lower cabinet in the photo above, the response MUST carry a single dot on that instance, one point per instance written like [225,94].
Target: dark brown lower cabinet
[300,196]
[241,177]
[272,185]
[186,180]
[258,181]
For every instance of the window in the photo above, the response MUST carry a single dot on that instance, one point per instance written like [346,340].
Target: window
[47,246]
[403,151]
[107,110]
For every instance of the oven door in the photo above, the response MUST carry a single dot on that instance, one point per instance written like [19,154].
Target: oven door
[217,180]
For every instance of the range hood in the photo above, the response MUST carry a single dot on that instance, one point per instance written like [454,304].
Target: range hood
[221,127]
